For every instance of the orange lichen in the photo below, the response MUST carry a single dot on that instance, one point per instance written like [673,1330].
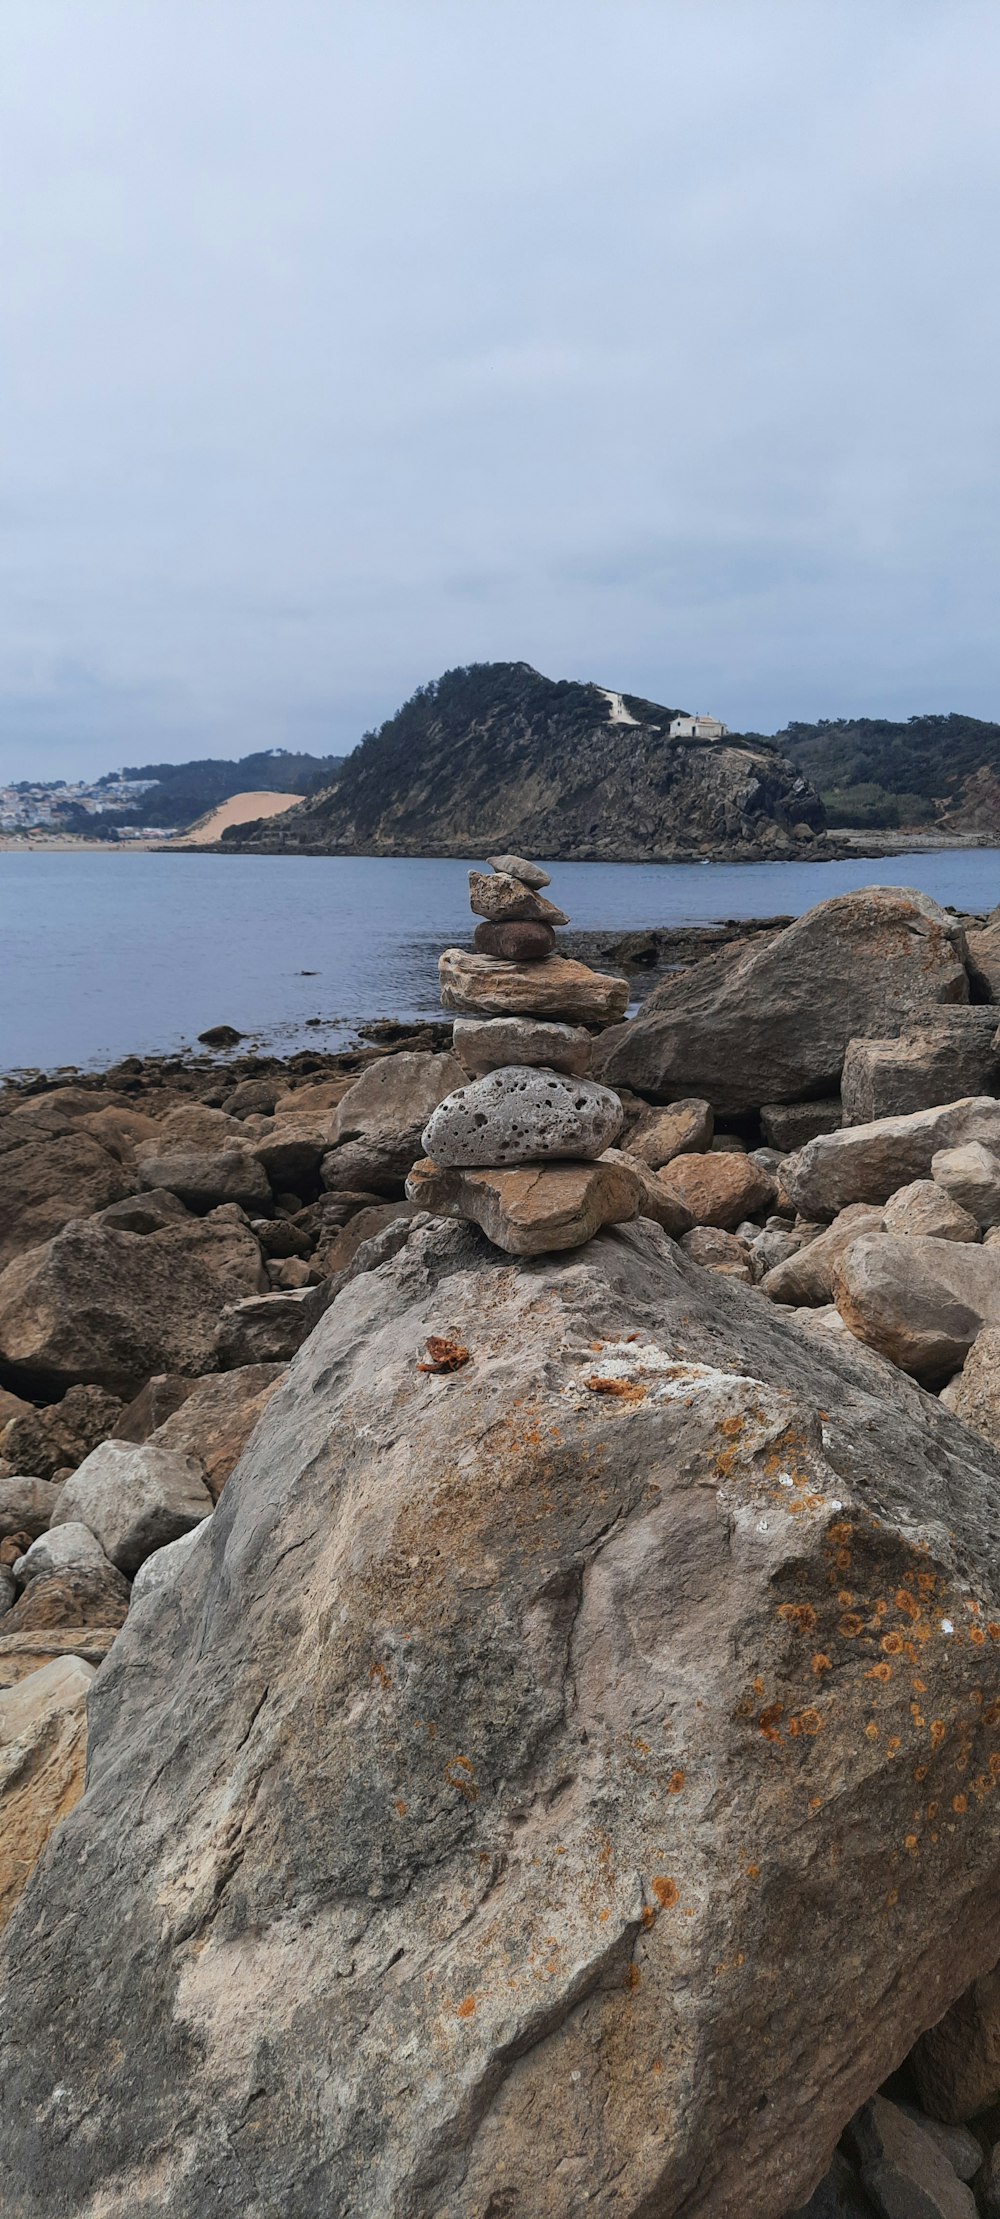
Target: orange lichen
[401,1807]
[626,1390]
[821,1663]
[938,1732]
[633,1978]
[768,1721]
[892,1643]
[666,1891]
[466,2009]
[960,1804]
[444,1355]
[881,1672]
[675,1783]
[753,1872]
[800,1615]
[851,1625]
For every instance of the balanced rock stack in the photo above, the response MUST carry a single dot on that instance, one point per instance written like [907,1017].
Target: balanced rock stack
[521,1150]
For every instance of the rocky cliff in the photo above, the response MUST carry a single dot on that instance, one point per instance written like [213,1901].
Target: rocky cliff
[497,756]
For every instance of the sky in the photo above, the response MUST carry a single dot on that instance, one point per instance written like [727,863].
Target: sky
[344,341]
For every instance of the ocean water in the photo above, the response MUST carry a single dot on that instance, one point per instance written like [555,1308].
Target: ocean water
[116,954]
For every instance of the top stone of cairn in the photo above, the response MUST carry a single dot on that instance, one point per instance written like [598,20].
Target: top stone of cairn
[514,866]
[503,899]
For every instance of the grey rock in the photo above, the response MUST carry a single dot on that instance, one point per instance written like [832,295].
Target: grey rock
[716,1250]
[957,2062]
[338,1900]
[960,2148]
[166,1565]
[112,1308]
[485,1044]
[970,1174]
[67,1548]
[920,1302]
[134,1498]
[788,1125]
[377,1126]
[839,2195]
[867,1163]
[515,866]
[974,1395]
[807,1275]
[145,1213]
[8,1590]
[949,1054]
[26,1505]
[903,2169]
[522,1115]
[925,1207]
[773,1025]
[204,1178]
[506,900]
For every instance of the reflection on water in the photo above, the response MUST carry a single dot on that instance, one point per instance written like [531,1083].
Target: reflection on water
[105,955]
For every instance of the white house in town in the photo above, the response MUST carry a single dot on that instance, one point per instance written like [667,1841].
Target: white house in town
[697,728]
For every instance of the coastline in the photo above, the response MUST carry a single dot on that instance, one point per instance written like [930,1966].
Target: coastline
[837,847]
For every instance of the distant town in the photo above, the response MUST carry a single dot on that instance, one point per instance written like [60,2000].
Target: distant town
[57,806]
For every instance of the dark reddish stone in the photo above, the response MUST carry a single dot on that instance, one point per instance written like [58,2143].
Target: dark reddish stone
[516,943]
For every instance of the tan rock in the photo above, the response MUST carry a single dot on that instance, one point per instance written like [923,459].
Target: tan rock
[485,1044]
[471,984]
[502,899]
[46,1183]
[684,1128]
[920,1302]
[944,1058]
[215,1421]
[655,1203]
[974,1395]
[716,1250]
[807,1277]
[320,1095]
[719,1189]
[924,1207]
[533,1208]
[43,1754]
[21,1653]
[867,1163]
[81,1595]
[970,1174]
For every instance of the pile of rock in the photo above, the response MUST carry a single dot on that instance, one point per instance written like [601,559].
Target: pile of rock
[522,1151]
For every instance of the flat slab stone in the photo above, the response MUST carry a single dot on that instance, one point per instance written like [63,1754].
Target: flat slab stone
[471,984]
[506,900]
[531,1209]
[522,1115]
[488,1043]
[515,866]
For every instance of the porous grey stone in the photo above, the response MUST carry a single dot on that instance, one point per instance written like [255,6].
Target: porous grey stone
[134,1498]
[522,1115]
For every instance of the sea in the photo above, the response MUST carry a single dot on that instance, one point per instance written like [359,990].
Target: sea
[105,955]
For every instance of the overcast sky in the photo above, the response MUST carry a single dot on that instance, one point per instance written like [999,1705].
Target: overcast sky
[342,341]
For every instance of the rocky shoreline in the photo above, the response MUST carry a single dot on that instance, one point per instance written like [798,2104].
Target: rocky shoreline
[537,1688]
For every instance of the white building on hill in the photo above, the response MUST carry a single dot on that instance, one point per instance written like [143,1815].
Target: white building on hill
[697,728]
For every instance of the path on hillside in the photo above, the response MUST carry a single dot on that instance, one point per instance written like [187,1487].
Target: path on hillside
[619,713]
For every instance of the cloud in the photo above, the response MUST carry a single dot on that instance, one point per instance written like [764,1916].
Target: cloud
[652,342]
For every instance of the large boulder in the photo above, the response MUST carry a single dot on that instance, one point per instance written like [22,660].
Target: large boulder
[376,1128]
[807,1276]
[58,1436]
[970,1175]
[215,1421]
[134,1498]
[955,1053]
[956,2063]
[974,1395]
[46,1183]
[77,1596]
[867,1163]
[919,1301]
[26,1505]
[111,1308]
[43,1753]
[507,1808]
[202,1178]
[775,1023]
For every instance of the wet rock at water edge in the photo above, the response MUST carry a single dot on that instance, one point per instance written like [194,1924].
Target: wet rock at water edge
[522,1115]
[515,943]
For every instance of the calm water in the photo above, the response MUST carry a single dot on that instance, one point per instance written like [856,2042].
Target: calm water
[107,955]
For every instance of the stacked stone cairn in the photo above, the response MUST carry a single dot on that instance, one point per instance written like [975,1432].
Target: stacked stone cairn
[526,1150]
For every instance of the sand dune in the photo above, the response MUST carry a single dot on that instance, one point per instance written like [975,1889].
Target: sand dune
[239,809]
